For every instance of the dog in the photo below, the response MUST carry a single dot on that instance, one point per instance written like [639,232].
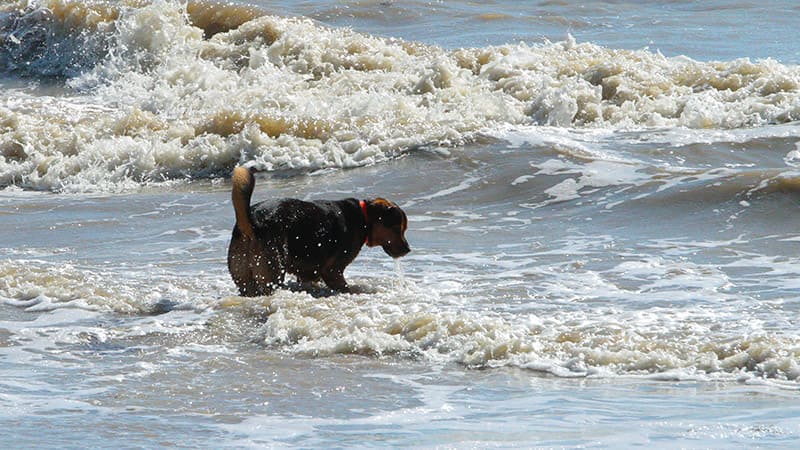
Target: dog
[311,240]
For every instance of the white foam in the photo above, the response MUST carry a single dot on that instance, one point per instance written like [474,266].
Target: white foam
[404,321]
[286,93]
[39,286]
[683,317]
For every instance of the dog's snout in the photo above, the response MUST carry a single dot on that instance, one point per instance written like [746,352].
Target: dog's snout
[397,249]
[402,250]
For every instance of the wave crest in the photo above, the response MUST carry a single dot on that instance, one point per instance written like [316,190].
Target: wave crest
[161,90]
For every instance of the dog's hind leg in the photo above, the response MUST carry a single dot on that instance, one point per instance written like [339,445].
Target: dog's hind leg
[268,272]
[256,269]
[239,266]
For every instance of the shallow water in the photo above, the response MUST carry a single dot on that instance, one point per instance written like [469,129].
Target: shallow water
[604,240]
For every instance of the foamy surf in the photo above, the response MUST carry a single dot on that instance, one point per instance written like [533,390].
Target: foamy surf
[159,91]
[403,321]
[39,286]
[398,318]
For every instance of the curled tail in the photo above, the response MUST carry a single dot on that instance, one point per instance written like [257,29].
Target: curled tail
[243,183]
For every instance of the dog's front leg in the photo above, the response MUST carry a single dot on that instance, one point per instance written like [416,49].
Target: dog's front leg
[334,278]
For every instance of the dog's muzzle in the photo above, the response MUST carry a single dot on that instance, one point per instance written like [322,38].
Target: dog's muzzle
[397,250]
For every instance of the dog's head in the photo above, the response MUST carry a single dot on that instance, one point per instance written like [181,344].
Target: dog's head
[387,224]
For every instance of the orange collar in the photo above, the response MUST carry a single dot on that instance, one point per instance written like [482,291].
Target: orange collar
[366,220]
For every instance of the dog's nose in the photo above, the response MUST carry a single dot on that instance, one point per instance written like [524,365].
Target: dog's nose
[405,249]
[397,251]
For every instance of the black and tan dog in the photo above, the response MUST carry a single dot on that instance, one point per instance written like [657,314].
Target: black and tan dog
[312,240]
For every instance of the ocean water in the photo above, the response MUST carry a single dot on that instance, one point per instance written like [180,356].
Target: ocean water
[603,203]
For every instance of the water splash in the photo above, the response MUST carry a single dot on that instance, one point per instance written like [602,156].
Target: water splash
[398,269]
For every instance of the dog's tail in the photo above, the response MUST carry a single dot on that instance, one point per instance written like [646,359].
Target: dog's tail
[243,183]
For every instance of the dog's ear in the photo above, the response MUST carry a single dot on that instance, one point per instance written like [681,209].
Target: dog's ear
[382,203]
[380,209]
[387,213]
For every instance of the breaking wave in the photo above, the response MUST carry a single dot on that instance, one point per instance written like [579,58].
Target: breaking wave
[148,91]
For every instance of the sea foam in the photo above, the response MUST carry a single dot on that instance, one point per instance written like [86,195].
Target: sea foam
[158,90]
[405,322]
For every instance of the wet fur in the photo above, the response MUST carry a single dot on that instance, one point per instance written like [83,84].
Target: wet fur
[313,240]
